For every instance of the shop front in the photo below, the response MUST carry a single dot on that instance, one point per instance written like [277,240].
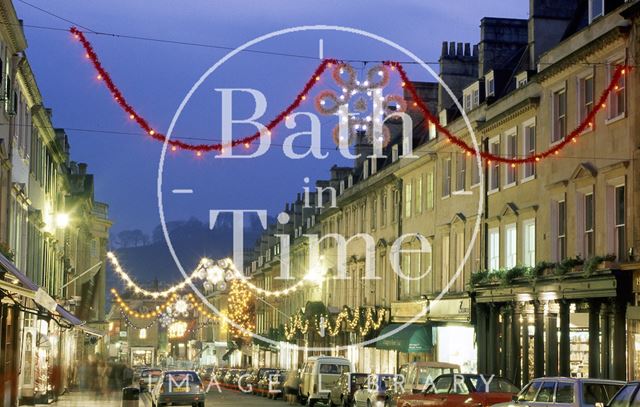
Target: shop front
[570,325]
[633,330]
[410,343]
[448,335]
[142,356]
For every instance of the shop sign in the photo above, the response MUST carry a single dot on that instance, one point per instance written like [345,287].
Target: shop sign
[450,310]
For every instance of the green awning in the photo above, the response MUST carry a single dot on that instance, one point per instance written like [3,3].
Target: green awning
[414,338]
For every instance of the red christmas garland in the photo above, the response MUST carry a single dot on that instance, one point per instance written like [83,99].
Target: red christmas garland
[571,137]
[327,63]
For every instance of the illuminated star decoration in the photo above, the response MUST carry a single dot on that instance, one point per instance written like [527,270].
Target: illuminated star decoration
[166,319]
[362,106]
[180,308]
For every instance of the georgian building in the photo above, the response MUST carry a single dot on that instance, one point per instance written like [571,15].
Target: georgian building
[44,274]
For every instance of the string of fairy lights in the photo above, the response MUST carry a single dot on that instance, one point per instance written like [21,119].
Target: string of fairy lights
[240,307]
[339,69]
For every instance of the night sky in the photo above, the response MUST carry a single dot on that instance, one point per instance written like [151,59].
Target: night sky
[155,76]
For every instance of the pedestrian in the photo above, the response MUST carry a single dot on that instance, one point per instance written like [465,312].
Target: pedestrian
[127,375]
[103,378]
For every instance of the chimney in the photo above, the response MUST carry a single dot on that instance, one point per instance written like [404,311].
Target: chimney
[500,40]
[548,21]
[82,168]
[458,69]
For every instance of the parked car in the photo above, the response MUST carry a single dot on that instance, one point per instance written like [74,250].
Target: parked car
[291,385]
[255,378]
[415,377]
[149,378]
[178,387]
[627,396]
[319,375]
[275,384]
[262,386]
[564,391]
[462,389]
[373,391]
[220,374]
[342,393]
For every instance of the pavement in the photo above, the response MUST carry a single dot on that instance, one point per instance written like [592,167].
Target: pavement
[224,398]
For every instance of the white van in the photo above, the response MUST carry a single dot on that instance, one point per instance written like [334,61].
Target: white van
[319,374]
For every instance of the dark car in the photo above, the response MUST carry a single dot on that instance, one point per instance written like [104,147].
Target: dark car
[255,377]
[179,387]
[149,378]
[262,385]
[277,384]
[627,396]
[342,393]
[461,389]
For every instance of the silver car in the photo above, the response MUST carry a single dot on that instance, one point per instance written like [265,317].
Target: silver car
[179,387]
[565,392]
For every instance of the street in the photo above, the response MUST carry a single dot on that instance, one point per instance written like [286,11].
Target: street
[214,398]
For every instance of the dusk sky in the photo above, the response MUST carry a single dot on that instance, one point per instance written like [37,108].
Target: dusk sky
[156,75]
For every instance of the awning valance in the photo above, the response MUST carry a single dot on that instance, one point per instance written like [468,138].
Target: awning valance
[41,297]
[414,338]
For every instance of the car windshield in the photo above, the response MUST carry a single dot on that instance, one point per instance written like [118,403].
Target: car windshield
[151,373]
[495,385]
[332,368]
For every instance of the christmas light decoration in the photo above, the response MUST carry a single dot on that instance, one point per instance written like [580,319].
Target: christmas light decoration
[553,150]
[241,310]
[351,84]
[362,320]
[131,324]
[213,272]
[138,314]
[198,148]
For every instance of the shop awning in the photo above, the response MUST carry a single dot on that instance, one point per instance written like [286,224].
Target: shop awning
[41,297]
[414,338]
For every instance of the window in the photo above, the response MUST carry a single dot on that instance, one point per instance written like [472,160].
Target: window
[585,89]
[564,392]
[432,130]
[559,115]
[383,209]
[545,395]
[429,196]
[419,195]
[511,152]
[529,242]
[596,9]
[445,261]
[491,87]
[461,171]
[374,213]
[394,206]
[476,97]
[529,149]
[475,172]
[494,167]
[446,177]
[617,96]
[510,245]
[494,249]
[460,248]
[408,195]
[620,229]
[142,334]
[467,102]
[561,243]
[623,398]
[589,225]
[529,392]
[363,216]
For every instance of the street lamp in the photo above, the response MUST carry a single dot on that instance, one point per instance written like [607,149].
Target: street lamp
[62,220]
